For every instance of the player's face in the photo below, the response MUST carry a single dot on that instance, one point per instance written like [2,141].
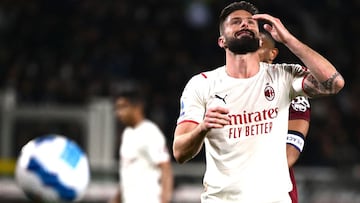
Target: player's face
[267,51]
[241,33]
[124,111]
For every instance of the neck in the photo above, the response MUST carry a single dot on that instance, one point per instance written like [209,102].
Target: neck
[242,66]
[138,118]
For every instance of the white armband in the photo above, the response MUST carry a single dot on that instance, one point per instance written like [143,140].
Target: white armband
[296,139]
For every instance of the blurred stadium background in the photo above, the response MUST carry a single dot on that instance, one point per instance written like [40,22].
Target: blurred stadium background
[60,60]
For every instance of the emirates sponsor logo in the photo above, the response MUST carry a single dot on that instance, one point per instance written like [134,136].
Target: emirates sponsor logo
[251,117]
[252,123]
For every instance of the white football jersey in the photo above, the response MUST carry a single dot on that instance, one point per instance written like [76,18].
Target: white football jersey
[142,149]
[246,160]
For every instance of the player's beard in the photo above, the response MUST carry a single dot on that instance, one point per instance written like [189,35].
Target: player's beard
[243,45]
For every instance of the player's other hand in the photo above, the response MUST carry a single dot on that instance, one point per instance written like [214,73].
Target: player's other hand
[274,27]
[216,117]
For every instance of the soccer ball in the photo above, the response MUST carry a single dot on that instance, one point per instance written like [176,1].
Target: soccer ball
[52,168]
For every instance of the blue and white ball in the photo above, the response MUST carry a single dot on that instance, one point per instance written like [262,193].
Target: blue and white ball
[52,168]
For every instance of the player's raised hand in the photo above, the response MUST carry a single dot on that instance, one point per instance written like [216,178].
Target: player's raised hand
[275,27]
[216,117]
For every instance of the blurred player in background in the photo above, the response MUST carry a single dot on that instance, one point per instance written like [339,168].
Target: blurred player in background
[240,110]
[299,114]
[145,164]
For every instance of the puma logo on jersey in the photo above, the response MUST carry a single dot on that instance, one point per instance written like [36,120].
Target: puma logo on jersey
[221,98]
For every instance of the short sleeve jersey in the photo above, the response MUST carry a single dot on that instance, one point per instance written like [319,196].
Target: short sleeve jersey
[142,149]
[245,160]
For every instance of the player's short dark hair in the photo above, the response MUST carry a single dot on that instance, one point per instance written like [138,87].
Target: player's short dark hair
[268,37]
[238,5]
[134,96]
[132,91]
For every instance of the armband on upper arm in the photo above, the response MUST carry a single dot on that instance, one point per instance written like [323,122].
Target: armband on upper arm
[296,139]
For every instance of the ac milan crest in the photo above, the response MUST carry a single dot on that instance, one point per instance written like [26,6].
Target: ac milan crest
[269,93]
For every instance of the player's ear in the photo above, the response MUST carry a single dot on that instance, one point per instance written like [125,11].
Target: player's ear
[261,42]
[221,42]
[273,53]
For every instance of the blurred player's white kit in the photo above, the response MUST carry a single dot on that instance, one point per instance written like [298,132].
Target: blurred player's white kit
[52,168]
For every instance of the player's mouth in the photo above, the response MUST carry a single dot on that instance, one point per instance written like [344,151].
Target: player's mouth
[242,33]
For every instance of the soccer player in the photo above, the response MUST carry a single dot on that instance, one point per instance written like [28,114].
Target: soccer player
[240,111]
[145,165]
[299,115]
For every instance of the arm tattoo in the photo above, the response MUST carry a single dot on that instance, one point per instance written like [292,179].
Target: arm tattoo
[315,89]
[328,84]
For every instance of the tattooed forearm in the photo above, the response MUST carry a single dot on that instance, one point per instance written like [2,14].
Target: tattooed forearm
[311,86]
[315,89]
[329,84]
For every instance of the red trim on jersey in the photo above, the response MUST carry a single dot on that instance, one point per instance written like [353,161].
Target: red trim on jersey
[203,74]
[302,85]
[191,121]
[293,193]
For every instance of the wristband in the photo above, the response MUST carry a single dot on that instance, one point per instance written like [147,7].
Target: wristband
[296,139]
